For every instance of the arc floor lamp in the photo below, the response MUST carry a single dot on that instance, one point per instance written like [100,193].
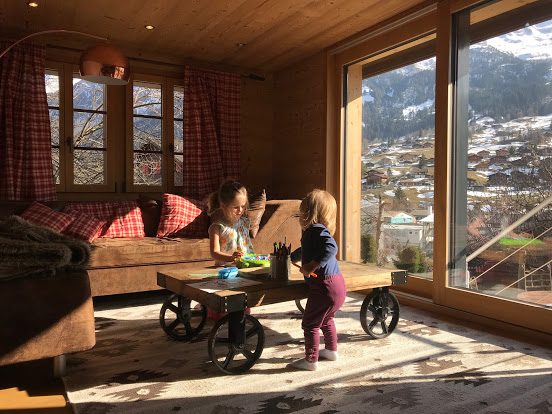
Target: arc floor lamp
[103,63]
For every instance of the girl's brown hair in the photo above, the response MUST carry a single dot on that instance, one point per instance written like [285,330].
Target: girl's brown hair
[225,194]
[319,207]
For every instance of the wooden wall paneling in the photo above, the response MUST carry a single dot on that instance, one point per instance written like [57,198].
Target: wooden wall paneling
[300,128]
[334,141]
[256,131]
[352,155]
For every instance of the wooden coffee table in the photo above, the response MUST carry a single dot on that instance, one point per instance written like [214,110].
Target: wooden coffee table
[237,340]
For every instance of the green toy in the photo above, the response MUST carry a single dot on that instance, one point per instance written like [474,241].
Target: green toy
[253,260]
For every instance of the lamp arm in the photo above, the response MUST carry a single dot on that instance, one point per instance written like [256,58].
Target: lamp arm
[50,31]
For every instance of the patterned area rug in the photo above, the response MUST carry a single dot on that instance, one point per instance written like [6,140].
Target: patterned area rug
[425,366]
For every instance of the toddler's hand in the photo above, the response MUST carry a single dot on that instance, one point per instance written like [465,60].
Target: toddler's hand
[306,273]
[237,254]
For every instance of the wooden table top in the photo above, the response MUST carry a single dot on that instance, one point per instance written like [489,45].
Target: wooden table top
[255,289]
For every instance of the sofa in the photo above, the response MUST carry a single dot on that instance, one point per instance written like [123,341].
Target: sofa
[116,266]
[126,265]
[46,317]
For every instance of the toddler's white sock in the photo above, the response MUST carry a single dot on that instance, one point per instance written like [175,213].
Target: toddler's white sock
[304,364]
[327,354]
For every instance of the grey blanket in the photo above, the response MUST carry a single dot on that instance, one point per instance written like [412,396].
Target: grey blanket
[30,250]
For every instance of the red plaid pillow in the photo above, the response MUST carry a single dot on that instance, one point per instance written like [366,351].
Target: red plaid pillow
[42,215]
[182,217]
[127,222]
[85,228]
[96,209]
[124,217]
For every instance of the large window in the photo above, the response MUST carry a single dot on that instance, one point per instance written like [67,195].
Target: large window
[481,179]
[502,214]
[398,135]
[89,152]
[78,119]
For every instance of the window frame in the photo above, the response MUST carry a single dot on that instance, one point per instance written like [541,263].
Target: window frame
[400,40]
[58,68]
[66,169]
[168,86]
[342,107]
[504,309]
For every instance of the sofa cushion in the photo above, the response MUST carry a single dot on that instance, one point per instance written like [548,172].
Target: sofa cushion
[255,212]
[85,228]
[42,215]
[123,252]
[182,217]
[127,222]
[125,217]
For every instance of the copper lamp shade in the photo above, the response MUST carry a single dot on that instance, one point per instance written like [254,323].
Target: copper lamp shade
[104,63]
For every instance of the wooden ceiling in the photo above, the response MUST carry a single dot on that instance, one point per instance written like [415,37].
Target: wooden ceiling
[264,35]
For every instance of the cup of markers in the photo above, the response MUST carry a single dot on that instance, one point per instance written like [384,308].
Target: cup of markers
[280,262]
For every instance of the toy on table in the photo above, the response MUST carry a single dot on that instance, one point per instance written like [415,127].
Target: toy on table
[253,260]
[228,273]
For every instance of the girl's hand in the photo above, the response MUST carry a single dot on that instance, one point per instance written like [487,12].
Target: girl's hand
[237,254]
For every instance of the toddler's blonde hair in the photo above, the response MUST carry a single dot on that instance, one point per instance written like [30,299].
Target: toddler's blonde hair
[319,207]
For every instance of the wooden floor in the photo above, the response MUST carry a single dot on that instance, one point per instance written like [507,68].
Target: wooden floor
[29,388]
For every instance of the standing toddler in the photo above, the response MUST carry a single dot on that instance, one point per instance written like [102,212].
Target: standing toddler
[317,216]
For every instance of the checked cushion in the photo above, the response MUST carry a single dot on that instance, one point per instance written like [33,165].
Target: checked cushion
[124,217]
[42,215]
[85,228]
[182,217]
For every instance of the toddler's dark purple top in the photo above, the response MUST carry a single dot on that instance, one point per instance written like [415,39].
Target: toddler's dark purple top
[318,244]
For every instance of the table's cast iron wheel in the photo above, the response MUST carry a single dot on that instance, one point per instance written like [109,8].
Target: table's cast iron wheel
[300,305]
[379,313]
[182,319]
[236,349]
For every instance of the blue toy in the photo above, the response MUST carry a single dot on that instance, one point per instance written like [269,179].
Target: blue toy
[228,273]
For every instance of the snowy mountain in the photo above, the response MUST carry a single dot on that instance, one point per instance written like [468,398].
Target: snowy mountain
[530,43]
[510,76]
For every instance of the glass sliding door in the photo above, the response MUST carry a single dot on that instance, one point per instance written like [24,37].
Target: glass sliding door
[501,221]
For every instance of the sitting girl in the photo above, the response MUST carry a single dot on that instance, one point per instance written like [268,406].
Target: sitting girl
[229,231]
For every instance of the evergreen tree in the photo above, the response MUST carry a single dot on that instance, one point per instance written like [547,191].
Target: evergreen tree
[368,247]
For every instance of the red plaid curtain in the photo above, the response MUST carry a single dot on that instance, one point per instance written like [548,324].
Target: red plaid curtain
[211,130]
[26,171]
